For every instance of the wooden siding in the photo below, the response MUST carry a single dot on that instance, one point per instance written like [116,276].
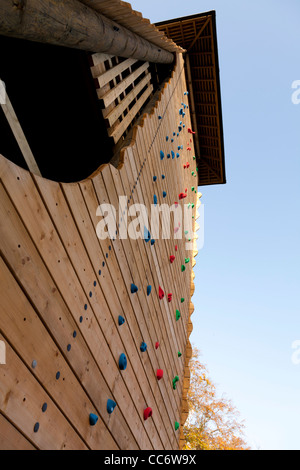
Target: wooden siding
[62,290]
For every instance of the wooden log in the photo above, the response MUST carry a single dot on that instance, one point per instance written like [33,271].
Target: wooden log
[69,23]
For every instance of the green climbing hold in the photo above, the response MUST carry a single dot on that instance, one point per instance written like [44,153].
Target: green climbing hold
[182,268]
[193,188]
[176,425]
[175,380]
[178,315]
[179,354]
[187,260]
[182,300]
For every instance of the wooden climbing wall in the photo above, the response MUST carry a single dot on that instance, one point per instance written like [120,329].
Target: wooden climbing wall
[63,289]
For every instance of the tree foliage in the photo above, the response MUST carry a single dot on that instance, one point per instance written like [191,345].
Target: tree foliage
[213,423]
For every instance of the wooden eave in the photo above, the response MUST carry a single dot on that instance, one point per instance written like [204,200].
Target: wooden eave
[123,14]
[197,36]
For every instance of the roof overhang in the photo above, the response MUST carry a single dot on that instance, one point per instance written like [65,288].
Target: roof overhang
[197,35]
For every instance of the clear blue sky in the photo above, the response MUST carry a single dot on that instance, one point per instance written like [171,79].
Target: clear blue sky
[247,298]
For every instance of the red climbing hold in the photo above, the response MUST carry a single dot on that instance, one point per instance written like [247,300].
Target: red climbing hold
[182,196]
[159,374]
[176,247]
[156,345]
[161,293]
[176,205]
[189,148]
[190,131]
[172,259]
[169,297]
[147,413]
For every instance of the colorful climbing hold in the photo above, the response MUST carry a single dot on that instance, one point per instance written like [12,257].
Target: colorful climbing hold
[161,293]
[154,178]
[122,361]
[152,241]
[173,154]
[176,425]
[159,374]
[36,427]
[147,413]
[143,347]
[176,247]
[163,177]
[149,290]
[182,195]
[162,155]
[121,320]
[110,406]
[190,131]
[134,288]
[178,315]
[175,380]
[179,354]
[172,259]
[169,297]
[182,268]
[156,345]
[182,300]
[155,199]
[93,419]
[164,194]
[187,260]
[147,235]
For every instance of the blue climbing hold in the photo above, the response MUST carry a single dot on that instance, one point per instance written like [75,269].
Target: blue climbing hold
[121,320]
[167,138]
[134,288]
[162,155]
[173,154]
[154,178]
[44,407]
[159,117]
[152,242]
[177,155]
[180,111]
[57,375]
[147,235]
[163,177]
[168,155]
[93,419]
[149,290]
[164,194]
[36,427]
[155,199]
[110,406]
[143,347]
[122,362]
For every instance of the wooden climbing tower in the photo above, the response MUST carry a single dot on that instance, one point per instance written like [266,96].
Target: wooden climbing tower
[96,330]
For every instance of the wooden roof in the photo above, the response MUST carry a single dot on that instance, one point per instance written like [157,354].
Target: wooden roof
[197,36]
[123,14]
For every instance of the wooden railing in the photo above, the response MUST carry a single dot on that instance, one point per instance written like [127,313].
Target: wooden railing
[123,86]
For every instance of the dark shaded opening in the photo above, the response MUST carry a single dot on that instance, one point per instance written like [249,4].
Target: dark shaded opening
[53,94]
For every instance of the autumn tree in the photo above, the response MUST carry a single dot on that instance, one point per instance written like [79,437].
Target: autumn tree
[213,423]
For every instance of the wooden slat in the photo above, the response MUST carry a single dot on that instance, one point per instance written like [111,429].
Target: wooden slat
[111,95]
[11,438]
[110,74]
[112,115]
[19,135]
[118,131]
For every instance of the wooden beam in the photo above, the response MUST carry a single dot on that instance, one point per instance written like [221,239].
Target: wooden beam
[69,23]
[19,136]
[198,34]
